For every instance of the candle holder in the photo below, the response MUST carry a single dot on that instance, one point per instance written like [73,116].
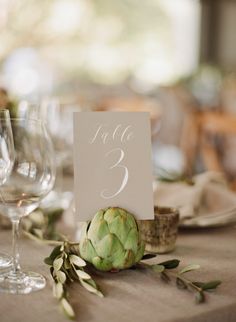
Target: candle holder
[161,233]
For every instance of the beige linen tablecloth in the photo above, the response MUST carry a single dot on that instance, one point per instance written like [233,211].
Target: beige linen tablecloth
[135,295]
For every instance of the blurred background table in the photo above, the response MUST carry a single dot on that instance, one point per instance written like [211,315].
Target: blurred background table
[136,295]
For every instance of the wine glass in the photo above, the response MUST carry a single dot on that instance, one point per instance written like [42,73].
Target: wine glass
[58,118]
[6,164]
[31,179]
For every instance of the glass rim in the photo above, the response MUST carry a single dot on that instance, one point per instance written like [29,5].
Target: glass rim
[23,119]
[2,110]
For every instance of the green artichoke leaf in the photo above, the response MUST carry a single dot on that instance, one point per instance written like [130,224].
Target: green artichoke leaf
[118,258]
[140,252]
[84,231]
[128,260]
[130,220]
[98,217]
[87,250]
[109,247]
[111,214]
[97,231]
[102,264]
[132,240]
[120,228]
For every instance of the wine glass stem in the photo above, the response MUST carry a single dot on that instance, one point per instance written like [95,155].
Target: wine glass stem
[15,247]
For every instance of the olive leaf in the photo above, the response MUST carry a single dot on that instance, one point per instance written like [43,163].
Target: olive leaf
[67,264]
[56,251]
[211,285]
[92,283]
[165,277]
[38,233]
[83,275]
[90,288]
[148,256]
[200,297]
[181,284]
[189,268]
[57,264]
[52,272]
[158,268]
[58,290]
[208,286]
[67,308]
[76,260]
[48,261]
[170,264]
[61,276]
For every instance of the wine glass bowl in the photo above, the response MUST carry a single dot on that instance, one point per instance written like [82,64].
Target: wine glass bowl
[6,146]
[6,164]
[31,179]
[33,172]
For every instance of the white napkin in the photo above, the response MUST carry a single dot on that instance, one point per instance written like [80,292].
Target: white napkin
[187,198]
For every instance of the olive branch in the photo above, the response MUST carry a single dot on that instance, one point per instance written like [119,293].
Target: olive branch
[165,269]
[67,266]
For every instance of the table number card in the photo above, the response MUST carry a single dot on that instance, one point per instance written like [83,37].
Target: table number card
[112,163]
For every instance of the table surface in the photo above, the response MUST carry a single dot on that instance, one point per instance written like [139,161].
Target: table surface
[134,295]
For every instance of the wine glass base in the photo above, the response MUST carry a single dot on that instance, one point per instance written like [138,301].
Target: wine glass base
[5,262]
[22,283]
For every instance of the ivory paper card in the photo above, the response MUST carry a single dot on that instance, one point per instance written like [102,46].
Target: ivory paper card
[112,163]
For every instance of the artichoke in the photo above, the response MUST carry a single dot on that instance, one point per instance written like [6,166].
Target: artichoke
[111,240]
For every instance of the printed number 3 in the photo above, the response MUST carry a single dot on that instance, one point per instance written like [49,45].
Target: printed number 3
[105,194]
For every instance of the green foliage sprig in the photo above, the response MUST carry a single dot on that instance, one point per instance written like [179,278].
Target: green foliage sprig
[173,177]
[66,267]
[40,225]
[166,271]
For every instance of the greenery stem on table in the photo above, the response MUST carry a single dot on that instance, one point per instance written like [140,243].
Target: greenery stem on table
[165,269]
[67,265]
[173,177]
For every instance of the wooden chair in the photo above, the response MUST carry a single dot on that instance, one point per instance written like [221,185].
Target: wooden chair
[134,104]
[200,132]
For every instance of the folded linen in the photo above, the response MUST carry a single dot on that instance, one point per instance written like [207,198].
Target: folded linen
[190,199]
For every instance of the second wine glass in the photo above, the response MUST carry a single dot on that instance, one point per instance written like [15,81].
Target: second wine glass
[6,164]
[31,179]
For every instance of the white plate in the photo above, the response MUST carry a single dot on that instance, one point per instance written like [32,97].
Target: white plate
[218,209]
[223,219]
